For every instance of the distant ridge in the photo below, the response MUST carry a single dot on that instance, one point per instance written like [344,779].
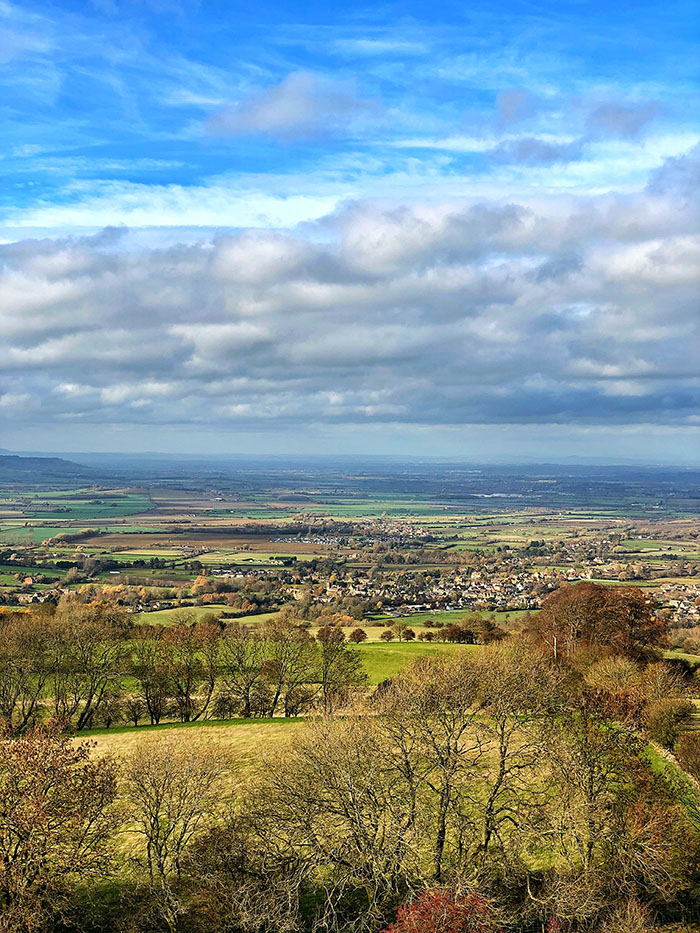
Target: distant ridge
[15,468]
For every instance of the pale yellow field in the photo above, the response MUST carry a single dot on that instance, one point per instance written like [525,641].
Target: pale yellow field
[246,744]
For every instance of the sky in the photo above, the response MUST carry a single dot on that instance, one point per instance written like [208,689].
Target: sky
[450,229]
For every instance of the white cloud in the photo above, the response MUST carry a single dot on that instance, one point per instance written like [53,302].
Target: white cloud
[549,310]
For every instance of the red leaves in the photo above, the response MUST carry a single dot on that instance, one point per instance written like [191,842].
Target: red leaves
[440,910]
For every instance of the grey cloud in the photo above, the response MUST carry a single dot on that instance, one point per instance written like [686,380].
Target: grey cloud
[302,106]
[678,176]
[557,267]
[514,105]
[611,118]
[578,310]
[377,241]
[604,119]
[534,151]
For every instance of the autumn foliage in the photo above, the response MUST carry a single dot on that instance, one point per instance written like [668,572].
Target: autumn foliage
[619,619]
[57,822]
[440,910]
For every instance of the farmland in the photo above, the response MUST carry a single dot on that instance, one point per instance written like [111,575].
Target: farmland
[249,648]
[372,544]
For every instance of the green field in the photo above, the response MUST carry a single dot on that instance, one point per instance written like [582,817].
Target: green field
[448,616]
[86,506]
[19,534]
[383,660]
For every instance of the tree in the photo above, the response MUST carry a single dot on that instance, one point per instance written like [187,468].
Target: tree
[149,666]
[475,626]
[614,828]
[635,629]
[430,713]
[517,690]
[339,667]
[191,659]
[88,655]
[587,615]
[688,753]
[243,654]
[631,917]
[242,882]
[173,791]
[57,822]
[288,666]
[25,667]
[400,627]
[134,709]
[589,764]
[346,812]
[616,685]
[460,635]
[666,720]
[357,635]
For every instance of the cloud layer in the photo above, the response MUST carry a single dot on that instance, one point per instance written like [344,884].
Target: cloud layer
[561,310]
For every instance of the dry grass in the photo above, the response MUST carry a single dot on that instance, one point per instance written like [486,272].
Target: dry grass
[245,743]
[245,746]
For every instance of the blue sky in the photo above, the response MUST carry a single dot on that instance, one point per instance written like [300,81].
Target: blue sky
[293,227]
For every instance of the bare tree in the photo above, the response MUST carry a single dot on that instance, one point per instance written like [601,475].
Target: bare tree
[431,712]
[243,653]
[191,665]
[289,665]
[173,789]
[88,655]
[518,690]
[339,667]
[337,811]
[149,667]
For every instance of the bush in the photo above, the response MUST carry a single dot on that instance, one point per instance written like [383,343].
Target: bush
[688,753]
[666,720]
[439,910]
[409,634]
[630,917]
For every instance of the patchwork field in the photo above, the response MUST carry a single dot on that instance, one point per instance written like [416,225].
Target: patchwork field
[372,546]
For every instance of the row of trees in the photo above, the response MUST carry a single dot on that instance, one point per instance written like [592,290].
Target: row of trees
[85,666]
[491,788]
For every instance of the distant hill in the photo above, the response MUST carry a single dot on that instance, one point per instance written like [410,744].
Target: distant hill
[14,469]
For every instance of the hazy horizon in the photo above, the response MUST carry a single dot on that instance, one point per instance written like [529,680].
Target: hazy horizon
[89,457]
